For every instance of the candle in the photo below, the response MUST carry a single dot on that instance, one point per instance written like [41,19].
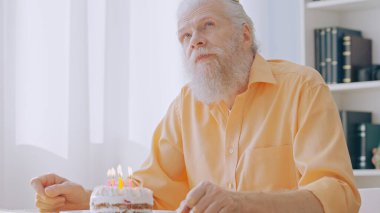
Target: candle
[130,175]
[120,177]
[108,177]
[113,174]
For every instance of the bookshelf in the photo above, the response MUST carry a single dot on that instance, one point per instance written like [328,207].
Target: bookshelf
[367,172]
[355,86]
[343,5]
[367,178]
[357,96]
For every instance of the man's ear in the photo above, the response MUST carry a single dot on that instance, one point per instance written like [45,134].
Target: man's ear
[247,33]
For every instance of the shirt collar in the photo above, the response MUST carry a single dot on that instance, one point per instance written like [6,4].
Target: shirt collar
[261,71]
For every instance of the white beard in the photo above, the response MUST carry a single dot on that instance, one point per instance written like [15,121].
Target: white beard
[220,77]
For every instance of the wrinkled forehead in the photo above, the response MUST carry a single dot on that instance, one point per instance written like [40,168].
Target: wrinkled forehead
[195,12]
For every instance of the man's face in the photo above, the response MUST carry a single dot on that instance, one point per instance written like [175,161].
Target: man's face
[215,53]
[203,33]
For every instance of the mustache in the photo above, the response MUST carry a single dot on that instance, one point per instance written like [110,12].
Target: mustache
[205,51]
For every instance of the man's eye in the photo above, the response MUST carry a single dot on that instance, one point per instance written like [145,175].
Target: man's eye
[186,36]
[210,24]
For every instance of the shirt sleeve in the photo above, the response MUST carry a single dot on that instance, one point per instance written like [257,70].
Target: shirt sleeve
[321,153]
[164,171]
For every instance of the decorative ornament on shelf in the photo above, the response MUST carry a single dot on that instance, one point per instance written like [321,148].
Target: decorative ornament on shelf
[376,157]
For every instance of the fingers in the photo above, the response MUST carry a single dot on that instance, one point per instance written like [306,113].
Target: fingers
[39,183]
[224,210]
[213,207]
[58,189]
[202,204]
[209,198]
[51,201]
[186,210]
[183,208]
[49,179]
[212,201]
[49,204]
[196,194]
[193,197]
[38,187]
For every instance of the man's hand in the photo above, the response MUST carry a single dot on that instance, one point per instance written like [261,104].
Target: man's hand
[208,197]
[54,193]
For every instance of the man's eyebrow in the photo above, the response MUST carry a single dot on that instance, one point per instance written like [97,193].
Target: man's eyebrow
[205,18]
[180,31]
[198,20]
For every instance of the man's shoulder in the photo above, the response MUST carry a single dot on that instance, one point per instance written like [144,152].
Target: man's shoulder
[285,71]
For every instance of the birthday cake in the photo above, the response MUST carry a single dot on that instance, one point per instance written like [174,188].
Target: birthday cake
[115,197]
[126,200]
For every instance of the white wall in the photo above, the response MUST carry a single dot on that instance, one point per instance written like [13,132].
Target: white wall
[1,101]
[258,11]
[355,20]
[278,27]
[22,162]
[286,31]
[117,147]
[85,163]
[155,66]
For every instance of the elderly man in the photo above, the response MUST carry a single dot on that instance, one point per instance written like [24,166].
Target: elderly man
[245,135]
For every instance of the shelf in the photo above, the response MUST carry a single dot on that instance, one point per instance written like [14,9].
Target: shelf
[366,172]
[342,5]
[354,86]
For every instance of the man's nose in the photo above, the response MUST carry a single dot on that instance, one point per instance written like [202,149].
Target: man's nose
[197,41]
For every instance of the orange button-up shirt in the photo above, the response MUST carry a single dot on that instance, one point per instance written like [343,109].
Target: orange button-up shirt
[282,133]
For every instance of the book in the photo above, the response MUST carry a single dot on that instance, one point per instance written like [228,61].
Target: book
[337,49]
[375,72]
[328,55]
[317,50]
[362,74]
[369,138]
[350,121]
[357,54]
[322,53]
[371,73]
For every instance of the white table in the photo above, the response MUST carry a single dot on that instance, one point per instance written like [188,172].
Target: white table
[84,211]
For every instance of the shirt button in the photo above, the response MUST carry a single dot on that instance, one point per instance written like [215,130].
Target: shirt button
[231,186]
[231,150]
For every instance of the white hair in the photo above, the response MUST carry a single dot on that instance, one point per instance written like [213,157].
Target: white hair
[234,10]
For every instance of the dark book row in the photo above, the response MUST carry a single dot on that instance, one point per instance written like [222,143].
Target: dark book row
[362,136]
[342,55]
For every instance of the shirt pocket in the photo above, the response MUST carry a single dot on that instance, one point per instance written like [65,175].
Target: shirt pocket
[268,169]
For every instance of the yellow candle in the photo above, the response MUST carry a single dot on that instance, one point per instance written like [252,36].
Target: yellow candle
[120,174]
[121,185]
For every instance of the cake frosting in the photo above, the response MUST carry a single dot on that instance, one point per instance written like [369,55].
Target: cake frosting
[126,200]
